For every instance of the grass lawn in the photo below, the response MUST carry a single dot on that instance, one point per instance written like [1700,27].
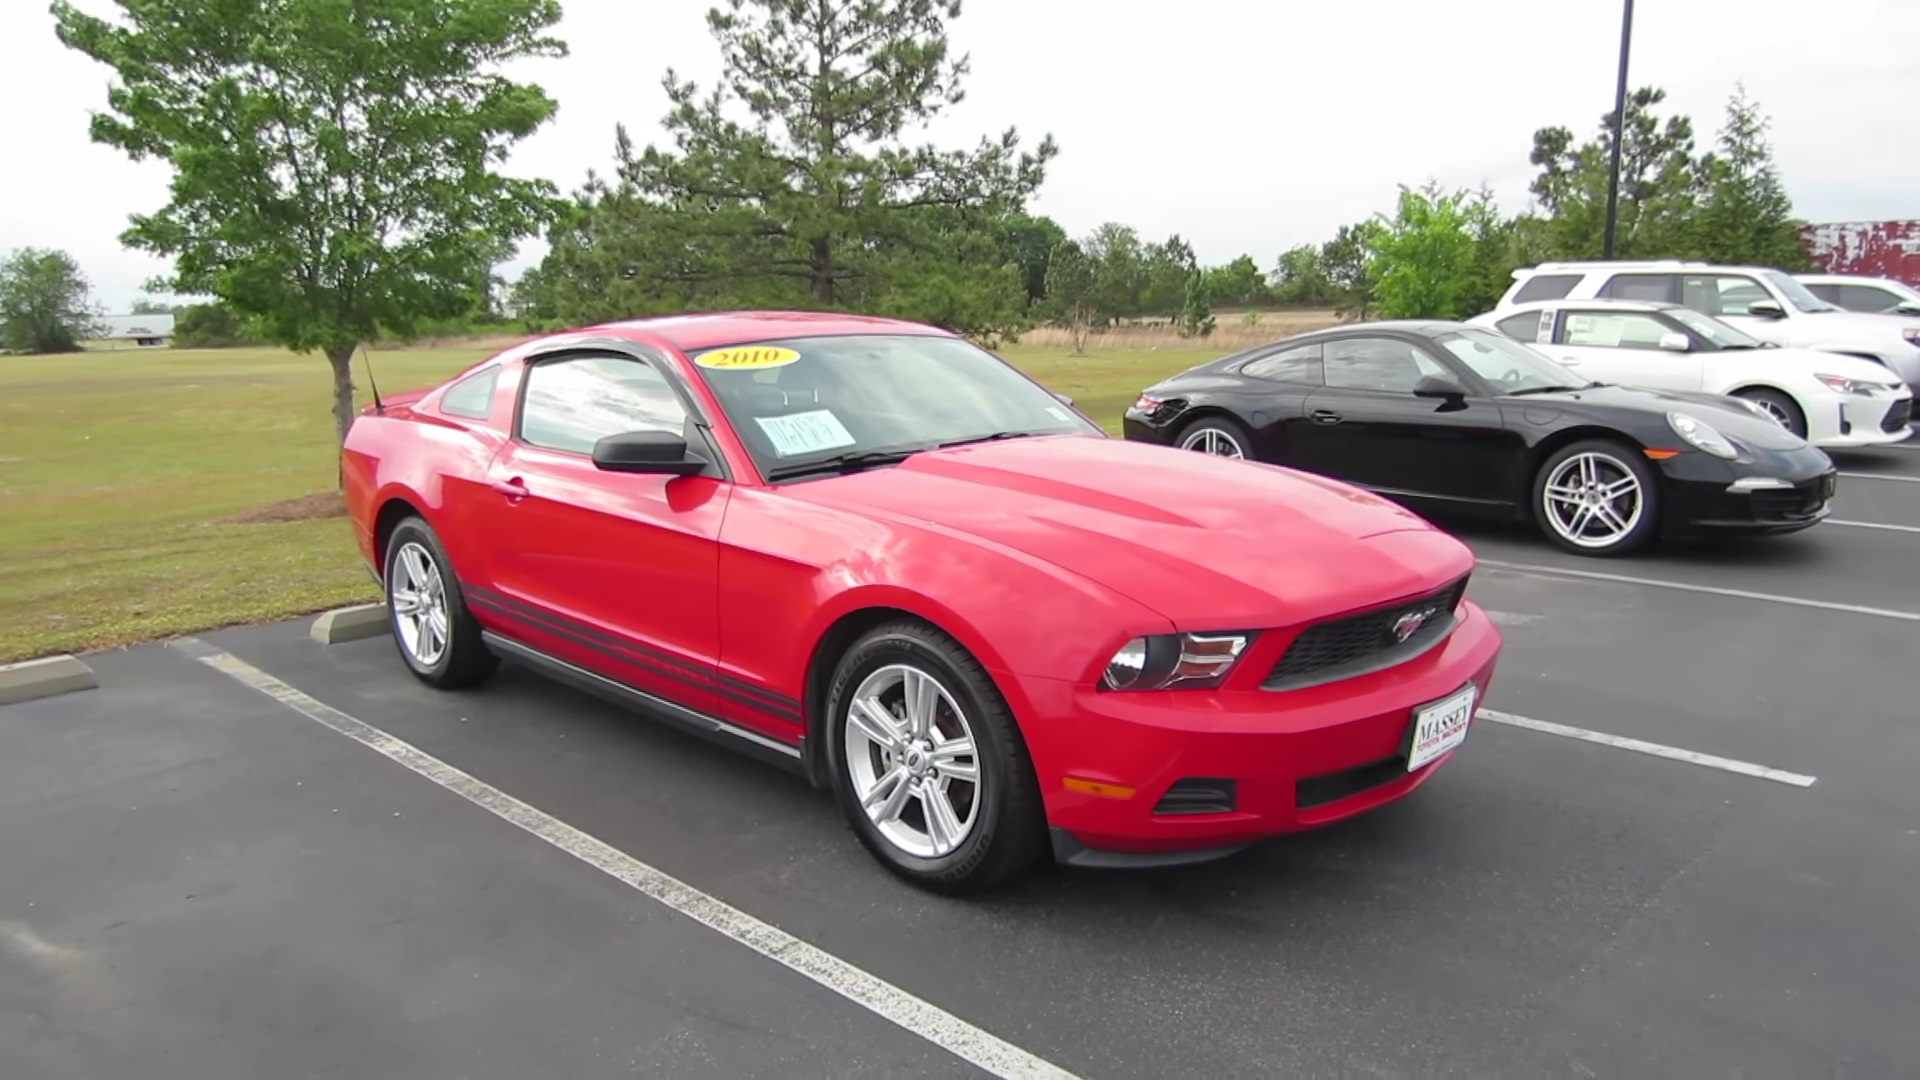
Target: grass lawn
[122,474]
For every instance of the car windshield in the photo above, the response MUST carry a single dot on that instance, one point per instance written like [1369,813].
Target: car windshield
[1721,334]
[1796,293]
[1507,365]
[870,398]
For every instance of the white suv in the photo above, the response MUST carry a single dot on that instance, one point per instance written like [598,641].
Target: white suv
[1769,304]
[1856,292]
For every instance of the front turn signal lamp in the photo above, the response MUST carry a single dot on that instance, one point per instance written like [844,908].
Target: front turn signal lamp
[1166,661]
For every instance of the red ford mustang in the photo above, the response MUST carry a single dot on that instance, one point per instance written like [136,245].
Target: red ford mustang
[877,554]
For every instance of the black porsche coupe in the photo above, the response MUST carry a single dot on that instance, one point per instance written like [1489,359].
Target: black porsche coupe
[1448,416]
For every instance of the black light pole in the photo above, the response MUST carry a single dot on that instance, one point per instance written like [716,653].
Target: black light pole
[1619,127]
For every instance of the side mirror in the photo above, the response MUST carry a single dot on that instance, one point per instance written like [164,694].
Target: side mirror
[1438,386]
[1064,399]
[646,452]
[1675,341]
[1907,307]
[1767,309]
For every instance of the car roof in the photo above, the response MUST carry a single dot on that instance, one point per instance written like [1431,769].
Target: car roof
[706,330]
[1590,266]
[1600,302]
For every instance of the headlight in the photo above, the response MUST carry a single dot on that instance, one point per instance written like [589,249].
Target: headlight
[1841,385]
[1700,435]
[1161,661]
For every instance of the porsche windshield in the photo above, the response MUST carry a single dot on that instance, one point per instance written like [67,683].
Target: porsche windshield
[805,400]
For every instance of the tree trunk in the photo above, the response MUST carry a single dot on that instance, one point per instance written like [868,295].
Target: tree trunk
[822,271]
[342,362]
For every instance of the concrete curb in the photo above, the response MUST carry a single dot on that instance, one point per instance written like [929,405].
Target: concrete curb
[32,679]
[350,624]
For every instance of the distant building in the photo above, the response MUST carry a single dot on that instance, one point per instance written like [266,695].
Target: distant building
[1889,249]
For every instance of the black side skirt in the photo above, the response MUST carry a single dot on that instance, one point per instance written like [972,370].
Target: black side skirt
[691,721]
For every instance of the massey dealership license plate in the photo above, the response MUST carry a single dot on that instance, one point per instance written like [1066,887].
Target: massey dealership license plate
[1441,726]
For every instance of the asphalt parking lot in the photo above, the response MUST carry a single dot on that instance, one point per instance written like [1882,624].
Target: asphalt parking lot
[199,879]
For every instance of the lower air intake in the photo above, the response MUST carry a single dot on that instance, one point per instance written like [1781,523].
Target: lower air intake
[1197,795]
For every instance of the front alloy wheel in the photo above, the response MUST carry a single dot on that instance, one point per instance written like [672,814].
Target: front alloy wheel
[928,763]
[1596,498]
[1217,438]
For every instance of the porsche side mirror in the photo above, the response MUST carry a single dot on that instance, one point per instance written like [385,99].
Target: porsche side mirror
[646,452]
[1064,400]
[1438,386]
[1674,341]
[1767,309]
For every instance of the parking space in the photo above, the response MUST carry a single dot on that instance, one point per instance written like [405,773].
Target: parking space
[203,882]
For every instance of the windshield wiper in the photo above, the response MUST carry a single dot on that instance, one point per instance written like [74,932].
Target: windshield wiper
[995,437]
[850,462]
[1548,389]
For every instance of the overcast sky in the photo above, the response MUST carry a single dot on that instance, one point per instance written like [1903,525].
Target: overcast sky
[1244,125]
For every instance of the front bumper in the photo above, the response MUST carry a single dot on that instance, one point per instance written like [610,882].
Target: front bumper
[1764,492]
[1869,421]
[1119,772]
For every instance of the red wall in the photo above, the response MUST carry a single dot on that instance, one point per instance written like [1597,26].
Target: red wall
[1875,248]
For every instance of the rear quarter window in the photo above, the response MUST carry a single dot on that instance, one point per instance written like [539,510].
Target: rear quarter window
[472,397]
[1546,287]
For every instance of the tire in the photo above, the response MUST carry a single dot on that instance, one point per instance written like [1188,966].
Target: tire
[1003,825]
[1784,409]
[462,659]
[1612,462]
[1219,432]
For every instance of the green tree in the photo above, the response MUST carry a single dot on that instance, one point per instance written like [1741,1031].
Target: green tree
[1196,311]
[1029,242]
[1073,287]
[1344,261]
[1422,257]
[793,180]
[1119,271]
[1166,269]
[1659,184]
[43,302]
[210,326]
[1301,278]
[1239,284]
[1745,216]
[334,161]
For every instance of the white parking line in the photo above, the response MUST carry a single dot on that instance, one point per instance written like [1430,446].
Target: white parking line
[1618,742]
[1875,525]
[937,1026]
[1660,583]
[1880,476]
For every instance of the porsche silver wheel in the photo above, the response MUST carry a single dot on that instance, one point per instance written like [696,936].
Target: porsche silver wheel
[912,761]
[1208,439]
[418,595]
[1593,500]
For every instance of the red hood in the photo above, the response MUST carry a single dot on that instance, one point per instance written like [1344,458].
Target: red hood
[1207,542]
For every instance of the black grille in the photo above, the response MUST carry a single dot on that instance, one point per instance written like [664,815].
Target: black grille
[1357,644]
[1898,417]
[1801,501]
[1197,795]
[1332,787]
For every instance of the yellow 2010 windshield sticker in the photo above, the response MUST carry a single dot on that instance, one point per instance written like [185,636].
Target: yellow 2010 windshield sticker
[747,357]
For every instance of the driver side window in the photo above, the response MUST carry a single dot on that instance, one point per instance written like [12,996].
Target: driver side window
[1378,364]
[572,403]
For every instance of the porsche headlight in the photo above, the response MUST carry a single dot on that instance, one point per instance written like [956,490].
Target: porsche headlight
[1700,435]
[1163,661]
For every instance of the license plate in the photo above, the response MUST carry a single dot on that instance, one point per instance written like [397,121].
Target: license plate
[1441,726]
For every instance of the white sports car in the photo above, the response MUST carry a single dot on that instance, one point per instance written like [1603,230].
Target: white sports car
[1829,399]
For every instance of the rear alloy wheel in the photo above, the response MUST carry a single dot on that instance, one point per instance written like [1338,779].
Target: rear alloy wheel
[1218,437]
[928,764]
[432,627]
[1597,497]
[1779,406]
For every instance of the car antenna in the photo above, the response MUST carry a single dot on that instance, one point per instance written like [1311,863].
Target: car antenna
[366,358]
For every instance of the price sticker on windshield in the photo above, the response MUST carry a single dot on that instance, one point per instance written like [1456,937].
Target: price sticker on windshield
[805,433]
[747,358]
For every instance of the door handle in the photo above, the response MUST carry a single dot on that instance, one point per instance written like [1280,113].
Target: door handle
[512,489]
[1325,416]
